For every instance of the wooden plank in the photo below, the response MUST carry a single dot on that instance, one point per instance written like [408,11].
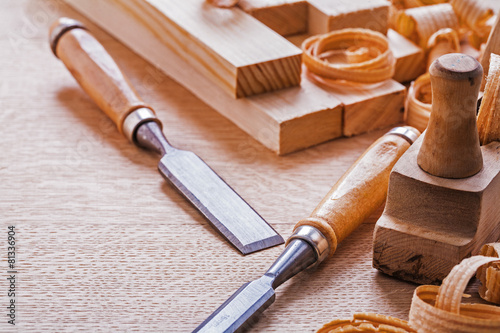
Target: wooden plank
[410,58]
[285,121]
[205,37]
[286,17]
[368,107]
[328,15]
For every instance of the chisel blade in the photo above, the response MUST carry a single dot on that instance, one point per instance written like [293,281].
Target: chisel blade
[218,202]
[241,309]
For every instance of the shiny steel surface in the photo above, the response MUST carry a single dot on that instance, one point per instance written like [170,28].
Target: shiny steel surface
[135,119]
[226,211]
[405,133]
[66,25]
[240,311]
[315,238]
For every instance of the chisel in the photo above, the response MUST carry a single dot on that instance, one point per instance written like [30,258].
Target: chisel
[360,191]
[100,77]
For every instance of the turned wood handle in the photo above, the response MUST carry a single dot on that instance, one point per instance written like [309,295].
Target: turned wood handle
[450,148]
[360,191]
[95,70]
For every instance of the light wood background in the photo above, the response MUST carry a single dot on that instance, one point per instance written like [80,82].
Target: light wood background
[104,244]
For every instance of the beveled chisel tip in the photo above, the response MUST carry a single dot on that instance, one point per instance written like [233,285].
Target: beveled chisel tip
[226,211]
[241,309]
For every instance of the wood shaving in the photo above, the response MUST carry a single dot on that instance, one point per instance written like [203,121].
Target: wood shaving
[367,322]
[223,3]
[474,14]
[418,104]
[439,309]
[488,120]
[419,24]
[489,275]
[358,55]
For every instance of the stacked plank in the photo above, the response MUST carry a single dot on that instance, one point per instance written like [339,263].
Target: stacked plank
[251,74]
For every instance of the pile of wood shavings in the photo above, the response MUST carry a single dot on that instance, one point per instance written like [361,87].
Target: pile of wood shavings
[439,309]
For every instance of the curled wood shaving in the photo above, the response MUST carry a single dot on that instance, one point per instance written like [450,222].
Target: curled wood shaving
[223,3]
[492,46]
[419,24]
[488,120]
[358,55]
[419,3]
[474,14]
[447,35]
[442,42]
[418,104]
[489,275]
[439,309]
[367,322]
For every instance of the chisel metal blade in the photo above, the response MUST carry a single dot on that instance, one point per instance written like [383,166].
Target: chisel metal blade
[353,198]
[241,309]
[100,77]
[218,202]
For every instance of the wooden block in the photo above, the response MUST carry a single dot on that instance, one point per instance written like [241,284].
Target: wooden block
[368,107]
[206,37]
[328,15]
[286,17]
[284,121]
[430,223]
[410,58]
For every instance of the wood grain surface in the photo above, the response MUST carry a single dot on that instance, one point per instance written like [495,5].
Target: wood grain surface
[105,245]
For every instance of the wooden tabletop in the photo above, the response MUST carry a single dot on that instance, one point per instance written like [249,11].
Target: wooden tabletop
[104,244]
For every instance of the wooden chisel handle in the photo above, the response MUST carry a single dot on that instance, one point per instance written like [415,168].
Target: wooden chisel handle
[361,190]
[98,74]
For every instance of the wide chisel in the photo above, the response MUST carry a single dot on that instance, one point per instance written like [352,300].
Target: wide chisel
[100,77]
[360,191]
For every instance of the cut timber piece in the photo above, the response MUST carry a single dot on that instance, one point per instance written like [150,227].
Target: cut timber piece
[410,58]
[430,223]
[284,121]
[368,107]
[328,15]
[286,17]
[236,52]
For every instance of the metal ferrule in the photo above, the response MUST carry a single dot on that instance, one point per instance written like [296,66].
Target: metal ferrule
[135,119]
[65,25]
[315,238]
[406,133]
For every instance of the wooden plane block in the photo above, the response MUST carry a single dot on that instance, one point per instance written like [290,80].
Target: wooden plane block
[410,58]
[284,121]
[430,223]
[328,15]
[286,17]
[236,52]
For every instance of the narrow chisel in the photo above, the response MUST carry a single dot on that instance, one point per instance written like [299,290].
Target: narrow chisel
[100,77]
[360,191]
